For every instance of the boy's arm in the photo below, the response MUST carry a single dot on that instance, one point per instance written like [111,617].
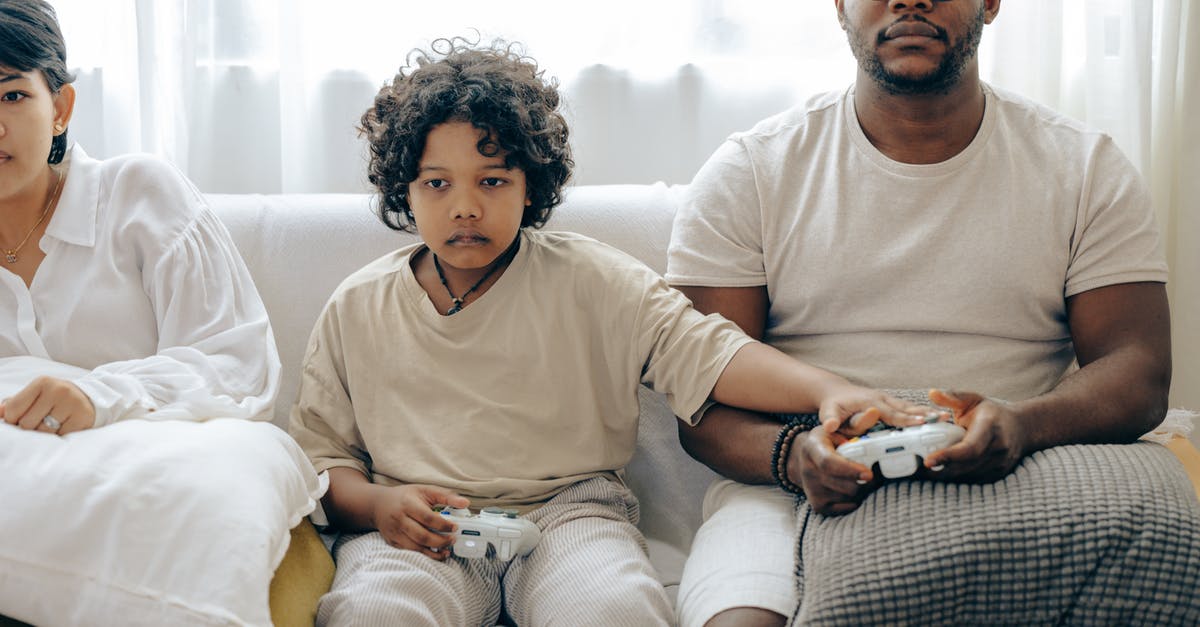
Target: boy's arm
[733,442]
[402,514]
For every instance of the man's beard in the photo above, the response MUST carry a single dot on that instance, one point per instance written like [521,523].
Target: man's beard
[940,81]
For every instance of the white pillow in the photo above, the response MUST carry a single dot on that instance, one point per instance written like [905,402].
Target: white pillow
[147,523]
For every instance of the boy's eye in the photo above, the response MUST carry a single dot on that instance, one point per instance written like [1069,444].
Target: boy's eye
[12,96]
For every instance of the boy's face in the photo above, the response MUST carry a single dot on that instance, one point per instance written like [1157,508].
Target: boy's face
[467,206]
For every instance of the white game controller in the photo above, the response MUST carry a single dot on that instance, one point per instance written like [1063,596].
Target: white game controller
[509,535]
[897,450]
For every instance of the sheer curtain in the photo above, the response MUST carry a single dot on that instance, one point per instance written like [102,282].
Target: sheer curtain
[264,95]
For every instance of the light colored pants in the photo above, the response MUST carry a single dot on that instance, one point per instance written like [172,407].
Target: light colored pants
[590,568]
[743,555]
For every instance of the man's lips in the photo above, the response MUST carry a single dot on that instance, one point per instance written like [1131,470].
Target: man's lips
[910,28]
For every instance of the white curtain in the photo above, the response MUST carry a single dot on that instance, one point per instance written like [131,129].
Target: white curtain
[264,95]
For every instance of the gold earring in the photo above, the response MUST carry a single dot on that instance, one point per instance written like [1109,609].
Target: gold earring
[58,128]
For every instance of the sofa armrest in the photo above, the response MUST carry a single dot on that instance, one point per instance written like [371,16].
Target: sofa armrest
[305,574]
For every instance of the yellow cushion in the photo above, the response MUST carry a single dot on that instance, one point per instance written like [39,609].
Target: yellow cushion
[305,574]
[1187,453]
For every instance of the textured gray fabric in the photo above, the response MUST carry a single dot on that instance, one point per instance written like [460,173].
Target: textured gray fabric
[1076,535]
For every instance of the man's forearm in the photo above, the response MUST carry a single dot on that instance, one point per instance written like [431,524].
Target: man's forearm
[1114,399]
[735,443]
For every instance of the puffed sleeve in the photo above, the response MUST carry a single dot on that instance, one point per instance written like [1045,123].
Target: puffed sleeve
[216,355]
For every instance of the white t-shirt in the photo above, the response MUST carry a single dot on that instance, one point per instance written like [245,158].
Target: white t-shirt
[143,289]
[894,275]
[529,389]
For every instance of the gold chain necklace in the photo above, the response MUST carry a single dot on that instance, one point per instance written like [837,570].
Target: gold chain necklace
[10,254]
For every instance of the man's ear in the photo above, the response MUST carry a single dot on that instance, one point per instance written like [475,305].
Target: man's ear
[64,106]
[990,9]
[837,4]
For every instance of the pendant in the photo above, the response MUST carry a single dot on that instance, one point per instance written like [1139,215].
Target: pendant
[453,310]
[10,256]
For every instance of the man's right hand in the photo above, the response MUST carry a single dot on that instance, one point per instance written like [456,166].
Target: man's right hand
[404,515]
[833,484]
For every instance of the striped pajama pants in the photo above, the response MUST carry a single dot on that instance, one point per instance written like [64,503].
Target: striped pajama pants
[590,568]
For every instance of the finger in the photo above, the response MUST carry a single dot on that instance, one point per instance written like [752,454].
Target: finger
[434,495]
[828,464]
[435,521]
[970,448]
[422,536]
[405,544]
[863,420]
[34,416]
[958,402]
[840,509]
[17,405]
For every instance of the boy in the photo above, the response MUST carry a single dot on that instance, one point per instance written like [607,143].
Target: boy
[497,366]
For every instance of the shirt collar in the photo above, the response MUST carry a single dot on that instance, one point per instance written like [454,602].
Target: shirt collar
[74,219]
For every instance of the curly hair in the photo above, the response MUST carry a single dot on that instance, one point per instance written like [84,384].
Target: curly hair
[499,91]
[30,40]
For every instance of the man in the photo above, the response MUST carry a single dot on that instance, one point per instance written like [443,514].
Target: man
[920,229]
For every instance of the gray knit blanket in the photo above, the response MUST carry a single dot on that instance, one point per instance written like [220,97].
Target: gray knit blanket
[1076,535]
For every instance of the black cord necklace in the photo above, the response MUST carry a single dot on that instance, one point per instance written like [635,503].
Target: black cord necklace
[460,301]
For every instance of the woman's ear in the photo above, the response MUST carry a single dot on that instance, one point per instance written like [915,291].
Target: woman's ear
[64,107]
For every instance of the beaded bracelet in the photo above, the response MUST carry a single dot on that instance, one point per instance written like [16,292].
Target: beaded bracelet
[779,456]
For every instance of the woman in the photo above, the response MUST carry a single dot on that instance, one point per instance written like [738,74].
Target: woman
[123,302]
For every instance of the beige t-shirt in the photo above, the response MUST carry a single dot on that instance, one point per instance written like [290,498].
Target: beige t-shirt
[894,275]
[527,390]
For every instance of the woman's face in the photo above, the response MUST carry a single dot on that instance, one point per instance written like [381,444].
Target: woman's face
[28,114]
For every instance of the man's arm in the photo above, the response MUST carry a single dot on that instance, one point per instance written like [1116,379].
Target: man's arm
[734,443]
[1122,337]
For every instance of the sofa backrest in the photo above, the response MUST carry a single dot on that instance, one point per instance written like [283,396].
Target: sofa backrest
[299,247]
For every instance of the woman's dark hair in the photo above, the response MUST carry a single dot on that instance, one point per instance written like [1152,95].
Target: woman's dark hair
[31,40]
[496,89]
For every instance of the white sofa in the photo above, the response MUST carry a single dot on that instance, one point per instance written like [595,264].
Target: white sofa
[299,247]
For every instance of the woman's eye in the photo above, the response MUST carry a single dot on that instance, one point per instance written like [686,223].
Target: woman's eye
[493,181]
[12,96]
[436,183]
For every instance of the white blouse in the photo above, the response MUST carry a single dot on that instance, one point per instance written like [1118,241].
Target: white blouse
[143,288]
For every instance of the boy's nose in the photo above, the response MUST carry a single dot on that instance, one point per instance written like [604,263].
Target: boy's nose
[466,208]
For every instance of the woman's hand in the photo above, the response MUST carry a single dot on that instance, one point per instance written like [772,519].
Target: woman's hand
[405,517]
[992,448]
[51,405]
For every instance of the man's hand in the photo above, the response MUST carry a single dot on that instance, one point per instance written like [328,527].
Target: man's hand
[992,448]
[70,408]
[405,517]
[833,484]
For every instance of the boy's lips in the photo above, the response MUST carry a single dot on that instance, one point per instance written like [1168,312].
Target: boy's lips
[467,238]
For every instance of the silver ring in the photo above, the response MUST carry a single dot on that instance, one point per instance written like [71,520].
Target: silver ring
[52,422]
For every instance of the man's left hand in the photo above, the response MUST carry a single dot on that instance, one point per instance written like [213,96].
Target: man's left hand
[992,447]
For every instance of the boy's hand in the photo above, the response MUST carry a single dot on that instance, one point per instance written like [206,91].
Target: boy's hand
[71,409]
[406,519]
[993,446]
[849,410]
